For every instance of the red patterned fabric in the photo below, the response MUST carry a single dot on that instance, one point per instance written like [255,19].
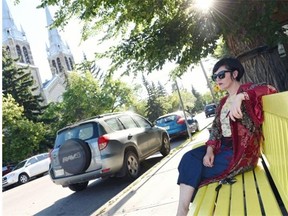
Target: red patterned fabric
[246,132]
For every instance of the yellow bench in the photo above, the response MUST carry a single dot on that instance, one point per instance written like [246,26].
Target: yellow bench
[254,193]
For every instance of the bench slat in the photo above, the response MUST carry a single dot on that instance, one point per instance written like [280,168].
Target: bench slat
[195,205]
[223,201]
[208,203]
[269,201]
[251,197]
[237,197]
[275,129]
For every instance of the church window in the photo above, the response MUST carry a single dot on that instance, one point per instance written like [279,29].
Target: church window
[67,63]
[59,64]
[8,50]
[54,66]
[27,59]
[19,53]
[71,63]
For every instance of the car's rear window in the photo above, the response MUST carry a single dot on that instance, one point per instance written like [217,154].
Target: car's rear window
[114,124]
[210,106]
[128,122]
[166,119]
[84,132]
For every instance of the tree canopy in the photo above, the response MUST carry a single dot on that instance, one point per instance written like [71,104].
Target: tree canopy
[21,137]
[20,84]
[155,32]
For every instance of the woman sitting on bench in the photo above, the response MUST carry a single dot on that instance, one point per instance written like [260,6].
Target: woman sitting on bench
[234,143]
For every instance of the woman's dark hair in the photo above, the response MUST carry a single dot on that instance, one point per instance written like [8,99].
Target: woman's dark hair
[231,64]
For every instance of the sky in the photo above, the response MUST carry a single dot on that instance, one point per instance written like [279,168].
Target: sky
[33,22]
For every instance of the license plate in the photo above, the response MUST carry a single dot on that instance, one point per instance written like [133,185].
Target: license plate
[59,172]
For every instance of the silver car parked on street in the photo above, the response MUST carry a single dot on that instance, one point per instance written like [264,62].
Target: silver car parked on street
[106,145]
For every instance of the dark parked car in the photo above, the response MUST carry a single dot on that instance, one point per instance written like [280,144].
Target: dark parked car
[6,169]
[106,145]
[175,123]
[210,109]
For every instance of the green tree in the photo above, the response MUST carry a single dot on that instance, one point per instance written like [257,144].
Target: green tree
[188,100]
[154,32]
[52,119]
[116,94]
[19,83]
[199,103]
[85,97]
[207,98]
[156,101]
[21,137]
[90,66]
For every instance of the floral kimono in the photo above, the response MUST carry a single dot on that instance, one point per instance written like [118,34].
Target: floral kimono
[246,132]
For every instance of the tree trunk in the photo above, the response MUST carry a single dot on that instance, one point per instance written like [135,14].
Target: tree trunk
[261,63]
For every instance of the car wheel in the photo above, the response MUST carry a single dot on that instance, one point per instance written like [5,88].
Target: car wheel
[131,166]
[165,149]
[23,178]
[75,156]
[78,186]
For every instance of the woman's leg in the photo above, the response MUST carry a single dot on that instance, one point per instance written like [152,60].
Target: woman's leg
[190,171]
[186,192]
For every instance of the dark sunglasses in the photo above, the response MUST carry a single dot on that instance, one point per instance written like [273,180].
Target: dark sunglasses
[220,75]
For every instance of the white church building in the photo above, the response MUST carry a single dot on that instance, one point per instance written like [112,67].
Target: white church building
[60,58]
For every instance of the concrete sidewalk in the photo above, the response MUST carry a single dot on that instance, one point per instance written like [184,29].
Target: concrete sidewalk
[156,192]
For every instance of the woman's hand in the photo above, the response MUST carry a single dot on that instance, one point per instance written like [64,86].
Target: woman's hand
[235,109]
[208,159]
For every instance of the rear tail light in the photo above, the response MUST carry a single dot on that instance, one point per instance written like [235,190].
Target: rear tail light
[103,142]
[180,120]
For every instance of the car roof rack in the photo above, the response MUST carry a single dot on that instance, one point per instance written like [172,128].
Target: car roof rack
[92,117]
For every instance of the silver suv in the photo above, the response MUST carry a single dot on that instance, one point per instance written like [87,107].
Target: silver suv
[106,145]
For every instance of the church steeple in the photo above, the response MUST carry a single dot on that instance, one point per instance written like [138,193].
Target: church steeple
[59,55]
[9,29]
[18,47]
[13,39]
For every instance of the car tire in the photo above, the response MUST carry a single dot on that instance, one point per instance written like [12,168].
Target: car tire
[166,147]
[23,178]
[78,186]
[131,166]
[75,156]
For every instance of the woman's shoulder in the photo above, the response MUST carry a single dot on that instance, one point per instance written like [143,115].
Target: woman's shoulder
[251,86]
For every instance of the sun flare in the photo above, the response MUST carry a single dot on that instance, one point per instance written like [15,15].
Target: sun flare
[204,5]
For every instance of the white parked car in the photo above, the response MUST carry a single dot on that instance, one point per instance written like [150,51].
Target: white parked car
[34,166]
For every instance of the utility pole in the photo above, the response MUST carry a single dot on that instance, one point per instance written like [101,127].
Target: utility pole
[208,83]
[181,102]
